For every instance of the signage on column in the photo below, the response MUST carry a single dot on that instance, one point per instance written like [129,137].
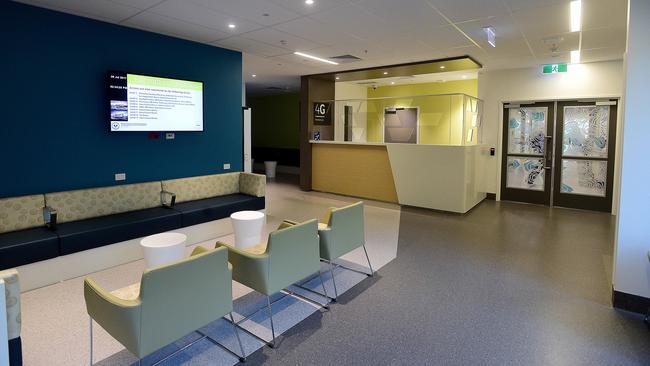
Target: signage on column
[323,113]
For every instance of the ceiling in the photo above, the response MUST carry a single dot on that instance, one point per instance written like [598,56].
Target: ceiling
[439,77]
[380,32]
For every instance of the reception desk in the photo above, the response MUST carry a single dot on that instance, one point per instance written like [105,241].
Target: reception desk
[439,177]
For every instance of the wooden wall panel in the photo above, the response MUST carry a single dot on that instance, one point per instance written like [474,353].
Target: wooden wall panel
[353,170]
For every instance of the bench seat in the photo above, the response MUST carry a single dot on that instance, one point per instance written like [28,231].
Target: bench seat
[76,236]
[215,208]
[27,246]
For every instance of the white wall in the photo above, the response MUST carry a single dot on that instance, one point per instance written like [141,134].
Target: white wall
[592,80]
[343,91]
[631,267]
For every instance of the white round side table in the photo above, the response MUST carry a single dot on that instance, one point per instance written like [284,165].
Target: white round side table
[163,248]
[248,228]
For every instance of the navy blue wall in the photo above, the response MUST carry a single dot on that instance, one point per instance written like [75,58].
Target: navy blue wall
[55,127]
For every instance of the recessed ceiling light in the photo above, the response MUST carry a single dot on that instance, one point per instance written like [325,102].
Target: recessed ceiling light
[576,10]
[442,67]
[392,83]
[575,57]
[309,2]
[231,26]
[316,58]
[491,36]
[254,75]
[337,78]
[385,72]
[464,76]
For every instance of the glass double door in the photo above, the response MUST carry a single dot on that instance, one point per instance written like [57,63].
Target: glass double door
[559,153]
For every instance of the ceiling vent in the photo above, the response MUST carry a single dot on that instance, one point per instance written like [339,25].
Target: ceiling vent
[344,58]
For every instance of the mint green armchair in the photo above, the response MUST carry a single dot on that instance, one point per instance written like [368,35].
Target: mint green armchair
[342,231]
[290,255]
[173,301]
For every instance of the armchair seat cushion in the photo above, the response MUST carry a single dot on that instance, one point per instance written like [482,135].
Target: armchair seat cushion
[91,233]
[208,209]
[22,247]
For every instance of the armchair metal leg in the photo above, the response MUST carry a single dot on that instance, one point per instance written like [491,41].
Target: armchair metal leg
[268,301]
[372,273]
[241,348]
[322,284]
[336,293]
[91,340]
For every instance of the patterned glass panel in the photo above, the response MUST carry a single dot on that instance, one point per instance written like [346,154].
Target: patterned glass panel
[525,173]
[527,130]
[585,131]
[586,177]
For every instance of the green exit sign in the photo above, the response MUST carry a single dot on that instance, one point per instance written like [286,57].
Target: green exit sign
[554,68]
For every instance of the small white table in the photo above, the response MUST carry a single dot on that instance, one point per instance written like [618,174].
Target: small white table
[248,228]
[163,248]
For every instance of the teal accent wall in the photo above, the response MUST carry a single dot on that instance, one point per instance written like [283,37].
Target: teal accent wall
[55,123]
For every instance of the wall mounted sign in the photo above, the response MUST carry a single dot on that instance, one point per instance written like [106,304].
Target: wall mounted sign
[323,113]
[554,68]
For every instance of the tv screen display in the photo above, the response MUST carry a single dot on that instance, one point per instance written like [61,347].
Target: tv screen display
[149,103]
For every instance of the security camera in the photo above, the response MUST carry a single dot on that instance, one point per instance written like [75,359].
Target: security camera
[374,87]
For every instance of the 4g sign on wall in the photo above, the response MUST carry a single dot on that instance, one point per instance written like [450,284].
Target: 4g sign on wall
[323,113]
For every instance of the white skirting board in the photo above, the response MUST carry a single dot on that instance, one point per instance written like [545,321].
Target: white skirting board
[65,267]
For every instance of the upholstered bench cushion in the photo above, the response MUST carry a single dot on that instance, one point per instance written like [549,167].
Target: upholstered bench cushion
[86,234]
[208,209]
[22,247]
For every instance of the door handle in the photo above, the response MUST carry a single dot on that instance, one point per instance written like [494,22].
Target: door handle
[548,142]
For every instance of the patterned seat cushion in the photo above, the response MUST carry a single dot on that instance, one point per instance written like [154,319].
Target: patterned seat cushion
[252,184]
[94,202]
[207,186]
[17,213]
[12,294]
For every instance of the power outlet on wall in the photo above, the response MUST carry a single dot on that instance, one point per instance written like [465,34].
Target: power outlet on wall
[226,166]
[120,176]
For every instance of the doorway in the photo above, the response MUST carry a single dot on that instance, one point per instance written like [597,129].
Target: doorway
[559,153]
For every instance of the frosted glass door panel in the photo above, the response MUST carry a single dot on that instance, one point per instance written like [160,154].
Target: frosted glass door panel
[525,173]
[585,132]
[587,177]
[527,130]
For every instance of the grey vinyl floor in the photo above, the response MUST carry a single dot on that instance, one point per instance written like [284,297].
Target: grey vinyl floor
[506,284]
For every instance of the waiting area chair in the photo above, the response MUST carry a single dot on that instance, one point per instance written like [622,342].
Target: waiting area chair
[289,256]
[341,231]
[12,311]
[173,301]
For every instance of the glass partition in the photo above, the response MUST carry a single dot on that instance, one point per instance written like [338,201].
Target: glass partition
[449,119]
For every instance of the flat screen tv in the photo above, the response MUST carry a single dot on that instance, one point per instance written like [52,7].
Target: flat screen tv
[149,103]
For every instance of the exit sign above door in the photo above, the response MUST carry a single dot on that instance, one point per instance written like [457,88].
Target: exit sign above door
[554,68]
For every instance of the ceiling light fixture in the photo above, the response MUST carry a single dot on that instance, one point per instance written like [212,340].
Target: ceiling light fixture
[576,15]
[254,75]
[316,58]
[392,83]
[337,78]
[491,36]
[309,2]
[464,76]
[231,26]
[442,67]
[575,57]
[385,72]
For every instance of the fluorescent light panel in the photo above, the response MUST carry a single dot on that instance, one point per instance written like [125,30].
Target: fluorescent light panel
[575,57]
[576,15]
[315,58]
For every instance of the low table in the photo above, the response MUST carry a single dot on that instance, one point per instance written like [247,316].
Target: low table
[248,228]
[163,248]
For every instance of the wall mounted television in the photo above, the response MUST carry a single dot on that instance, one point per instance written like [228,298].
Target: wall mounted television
[150,103]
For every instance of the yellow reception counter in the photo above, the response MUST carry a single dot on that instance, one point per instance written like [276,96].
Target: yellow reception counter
[439,177]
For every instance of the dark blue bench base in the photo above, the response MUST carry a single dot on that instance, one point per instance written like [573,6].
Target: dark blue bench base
[208,209]
[87,234]
[27,246]
[32,245]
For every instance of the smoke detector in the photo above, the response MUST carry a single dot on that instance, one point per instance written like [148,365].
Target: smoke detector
[553,43]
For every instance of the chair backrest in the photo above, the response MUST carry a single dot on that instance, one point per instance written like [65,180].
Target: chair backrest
[94,202]
[293,254]
[182,297]
[347,229]
[206,186]
[17,213]
[12,298]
